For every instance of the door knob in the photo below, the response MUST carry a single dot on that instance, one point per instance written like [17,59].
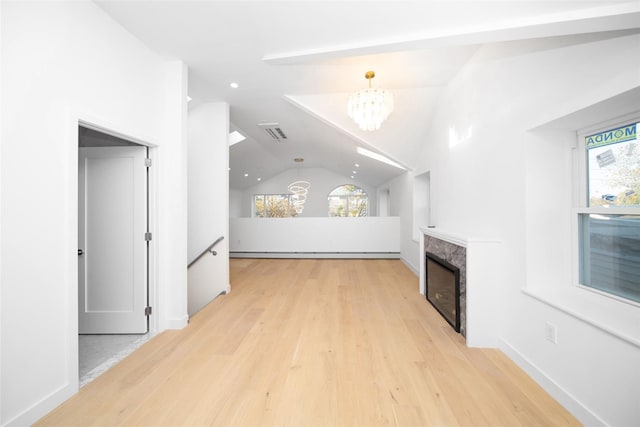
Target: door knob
[80,252]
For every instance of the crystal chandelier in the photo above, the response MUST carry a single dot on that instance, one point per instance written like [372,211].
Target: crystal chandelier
[370,107]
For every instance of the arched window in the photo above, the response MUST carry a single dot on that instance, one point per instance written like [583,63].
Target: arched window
[348,200]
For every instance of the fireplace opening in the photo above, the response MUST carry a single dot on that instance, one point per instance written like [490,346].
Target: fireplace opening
[443,288]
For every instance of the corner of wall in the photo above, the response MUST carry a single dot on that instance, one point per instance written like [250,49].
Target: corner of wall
[411,267]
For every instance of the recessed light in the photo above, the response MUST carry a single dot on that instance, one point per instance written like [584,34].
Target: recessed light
[189,98]
[351,176]
[234,85]
[259,179]
[246,174]
[354,172]
[357,165]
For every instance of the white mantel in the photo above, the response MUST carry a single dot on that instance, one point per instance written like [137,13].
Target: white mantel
[483,282]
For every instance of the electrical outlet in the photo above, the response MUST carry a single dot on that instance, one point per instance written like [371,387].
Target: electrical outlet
[551,332]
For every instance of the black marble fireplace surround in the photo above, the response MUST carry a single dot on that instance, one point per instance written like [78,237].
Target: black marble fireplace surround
[455,256]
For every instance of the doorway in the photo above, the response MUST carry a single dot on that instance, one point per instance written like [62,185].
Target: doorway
[421,203]
[113,249]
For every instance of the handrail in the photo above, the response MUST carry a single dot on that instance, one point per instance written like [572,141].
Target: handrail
[209,249]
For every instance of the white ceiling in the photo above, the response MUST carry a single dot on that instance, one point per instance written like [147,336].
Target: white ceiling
[297,61]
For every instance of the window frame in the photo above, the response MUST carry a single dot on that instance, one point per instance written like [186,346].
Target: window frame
[581,199]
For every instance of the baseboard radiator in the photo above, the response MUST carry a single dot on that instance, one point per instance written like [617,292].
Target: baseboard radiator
[321,255]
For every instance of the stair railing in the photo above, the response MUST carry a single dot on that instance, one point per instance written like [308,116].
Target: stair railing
[209,249]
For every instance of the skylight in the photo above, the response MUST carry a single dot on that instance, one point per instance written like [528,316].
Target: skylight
[379,157]
[235,137]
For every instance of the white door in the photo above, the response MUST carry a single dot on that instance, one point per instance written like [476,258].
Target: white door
[112,250]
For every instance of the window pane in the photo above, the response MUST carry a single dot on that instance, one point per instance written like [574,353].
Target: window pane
[347,190]
[258,203]
[277,206]
[337,206]
[610,254]
[357,206]
[614,167]
[273,206]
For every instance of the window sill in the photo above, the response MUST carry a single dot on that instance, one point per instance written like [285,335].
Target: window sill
[617,318]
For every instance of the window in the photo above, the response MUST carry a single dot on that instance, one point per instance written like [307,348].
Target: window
[348,200]
[273,206]
[609,221]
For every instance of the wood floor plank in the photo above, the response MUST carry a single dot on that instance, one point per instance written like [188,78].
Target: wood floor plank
[313,343]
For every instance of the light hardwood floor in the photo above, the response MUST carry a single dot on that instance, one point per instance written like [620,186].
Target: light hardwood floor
[314,343]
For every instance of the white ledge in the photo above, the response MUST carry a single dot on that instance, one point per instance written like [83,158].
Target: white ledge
[597,313]
[456,239]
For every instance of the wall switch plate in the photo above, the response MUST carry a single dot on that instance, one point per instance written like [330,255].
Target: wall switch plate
[551,332]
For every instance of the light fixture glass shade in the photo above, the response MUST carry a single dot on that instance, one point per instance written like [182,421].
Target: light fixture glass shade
[370,107]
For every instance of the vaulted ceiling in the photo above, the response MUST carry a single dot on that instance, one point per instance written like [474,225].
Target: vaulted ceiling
[295,63]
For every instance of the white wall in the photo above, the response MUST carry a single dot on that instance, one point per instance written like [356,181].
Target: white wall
[63,62]
[329,234]
[208,172]
[1,186]
[169,273]
[208,175]
[235,203]
[322,182]
[497,179]
[1,201]
[401,205]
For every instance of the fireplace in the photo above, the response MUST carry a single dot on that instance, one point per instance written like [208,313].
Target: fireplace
[475,290]
[442,288]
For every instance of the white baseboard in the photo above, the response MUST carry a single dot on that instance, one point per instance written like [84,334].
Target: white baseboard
[175,323]
[42,407]
[577,409]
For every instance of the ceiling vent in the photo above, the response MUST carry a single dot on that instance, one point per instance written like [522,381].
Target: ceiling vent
[273,130]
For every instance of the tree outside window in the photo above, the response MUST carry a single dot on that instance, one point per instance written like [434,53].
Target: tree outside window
[273,206]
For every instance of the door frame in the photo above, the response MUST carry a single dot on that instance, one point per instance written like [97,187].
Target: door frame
[77,119]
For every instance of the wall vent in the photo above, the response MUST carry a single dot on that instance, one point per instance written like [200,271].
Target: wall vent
[274,131]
